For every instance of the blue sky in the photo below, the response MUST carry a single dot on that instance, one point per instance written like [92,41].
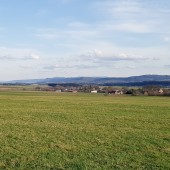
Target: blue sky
[68,38]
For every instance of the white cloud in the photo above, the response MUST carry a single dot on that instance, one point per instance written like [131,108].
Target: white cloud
[6,57]
[96,59]
[135,15]
[167,66]
[132,27]
[98,55]
[27,67]
[70,66]
[34,57]
[18,54]
[166,39]
[120,8]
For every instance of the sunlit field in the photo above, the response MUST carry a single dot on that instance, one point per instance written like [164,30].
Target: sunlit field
[48,130]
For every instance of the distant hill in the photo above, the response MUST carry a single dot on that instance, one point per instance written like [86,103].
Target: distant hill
[133,80]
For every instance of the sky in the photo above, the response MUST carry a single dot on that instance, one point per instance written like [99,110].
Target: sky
[70,38]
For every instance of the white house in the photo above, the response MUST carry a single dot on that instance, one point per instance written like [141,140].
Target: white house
[58,91]
[94,91]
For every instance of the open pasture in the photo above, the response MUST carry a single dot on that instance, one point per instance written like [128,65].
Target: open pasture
[45,130]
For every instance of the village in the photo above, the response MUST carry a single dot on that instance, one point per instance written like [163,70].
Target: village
[151,90]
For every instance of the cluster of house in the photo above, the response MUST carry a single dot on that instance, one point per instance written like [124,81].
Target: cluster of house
[135,92]
[150,91]
[66,90]
[91,90]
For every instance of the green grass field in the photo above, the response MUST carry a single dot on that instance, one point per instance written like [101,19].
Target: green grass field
[41,130]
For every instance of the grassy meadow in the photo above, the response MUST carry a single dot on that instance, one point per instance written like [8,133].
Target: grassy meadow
[57,131]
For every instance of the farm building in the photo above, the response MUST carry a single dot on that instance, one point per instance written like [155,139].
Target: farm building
[115,92]
[94,91]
